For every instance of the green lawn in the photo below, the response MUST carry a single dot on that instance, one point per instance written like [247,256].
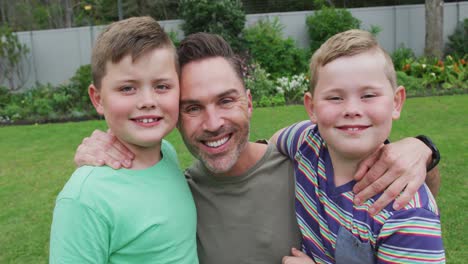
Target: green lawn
[36,161]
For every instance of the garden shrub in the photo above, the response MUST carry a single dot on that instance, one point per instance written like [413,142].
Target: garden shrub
[278,56]
[12,53]
[328,21]
[223,17]
[438,74]
[77,90]
[4,96]
[272,100]
[401,56]
[293,88]
[259,82]
[174,38]
[47,102]
[412,84]
[458,41]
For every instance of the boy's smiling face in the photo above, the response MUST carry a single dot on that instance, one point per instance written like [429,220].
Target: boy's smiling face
[354,104]
[140,99]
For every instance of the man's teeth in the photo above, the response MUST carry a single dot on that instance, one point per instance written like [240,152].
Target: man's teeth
[217,143]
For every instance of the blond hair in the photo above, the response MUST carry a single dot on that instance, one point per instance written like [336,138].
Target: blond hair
[348,43]
[134,36]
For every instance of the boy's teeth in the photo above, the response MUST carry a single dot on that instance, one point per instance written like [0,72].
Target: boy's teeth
[146,120]
[353,129]
[217,143]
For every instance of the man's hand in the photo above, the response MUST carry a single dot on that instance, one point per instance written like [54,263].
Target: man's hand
[298,257]
[103,149]
[397,169]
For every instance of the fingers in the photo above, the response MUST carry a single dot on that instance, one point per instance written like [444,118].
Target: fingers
[298,257]
[111,144]
[103,148]
[365,165]
[374,181]
[389,195]
[398,173]
[408,193]
[297,253]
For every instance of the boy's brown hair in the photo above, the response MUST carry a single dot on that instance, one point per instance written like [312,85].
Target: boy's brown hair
[348,43]
[134,36]
[199,46]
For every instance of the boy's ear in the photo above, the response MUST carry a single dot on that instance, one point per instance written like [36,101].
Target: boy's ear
[398,100]
[309,106]
[95,96]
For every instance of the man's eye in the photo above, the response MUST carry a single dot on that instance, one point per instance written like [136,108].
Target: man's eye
[226,101]
[192,109]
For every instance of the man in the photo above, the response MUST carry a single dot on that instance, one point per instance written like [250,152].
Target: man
[244,191]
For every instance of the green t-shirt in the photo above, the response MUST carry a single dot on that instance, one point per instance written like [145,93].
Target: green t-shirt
[104,215]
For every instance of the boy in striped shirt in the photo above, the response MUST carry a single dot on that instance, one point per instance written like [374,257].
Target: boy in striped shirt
[352,101]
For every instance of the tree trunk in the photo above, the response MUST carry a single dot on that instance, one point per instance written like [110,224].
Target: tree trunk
[68,14]
[434,28]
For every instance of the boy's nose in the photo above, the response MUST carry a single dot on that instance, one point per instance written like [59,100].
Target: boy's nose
[147,99]
[352,108]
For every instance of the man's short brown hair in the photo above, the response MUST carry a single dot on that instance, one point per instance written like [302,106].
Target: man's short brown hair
[199,46]
[348,43]
[134,36]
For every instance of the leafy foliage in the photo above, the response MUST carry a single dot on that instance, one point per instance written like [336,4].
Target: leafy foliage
[222,17]
[458,41]
[259,82]
[293,88]
[401,55]
[327,22]
[48,103]
[445,74]
[278,56]
[12,53]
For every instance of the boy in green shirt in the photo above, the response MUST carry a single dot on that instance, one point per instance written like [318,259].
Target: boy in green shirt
[145,214]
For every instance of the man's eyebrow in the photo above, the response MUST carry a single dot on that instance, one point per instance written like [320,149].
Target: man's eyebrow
[188,102]
[221,95]
[228,92]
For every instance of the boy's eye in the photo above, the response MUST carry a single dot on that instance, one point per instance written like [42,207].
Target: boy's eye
[368,96]
[127,89]
[334,98]
[161,87]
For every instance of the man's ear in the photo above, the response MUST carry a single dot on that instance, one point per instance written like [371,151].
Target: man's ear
[399,98]
[309,107]
[249,103]
[95,96]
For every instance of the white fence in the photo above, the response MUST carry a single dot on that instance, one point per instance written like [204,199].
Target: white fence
[55,55]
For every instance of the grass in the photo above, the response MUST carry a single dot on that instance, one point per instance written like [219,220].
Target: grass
[36,161]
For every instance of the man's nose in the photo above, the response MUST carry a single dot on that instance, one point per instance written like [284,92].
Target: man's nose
[213,120]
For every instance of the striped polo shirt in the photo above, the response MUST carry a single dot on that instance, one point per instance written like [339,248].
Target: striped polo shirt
[326,213]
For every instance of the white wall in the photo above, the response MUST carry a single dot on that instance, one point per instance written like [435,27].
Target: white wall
[55,55]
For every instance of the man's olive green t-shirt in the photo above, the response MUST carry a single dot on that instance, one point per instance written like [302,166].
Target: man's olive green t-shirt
[247,218]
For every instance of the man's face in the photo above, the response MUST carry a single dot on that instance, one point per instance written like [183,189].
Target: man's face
[215,113]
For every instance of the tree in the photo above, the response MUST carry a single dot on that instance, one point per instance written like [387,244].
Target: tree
[434,28]
[12,54]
